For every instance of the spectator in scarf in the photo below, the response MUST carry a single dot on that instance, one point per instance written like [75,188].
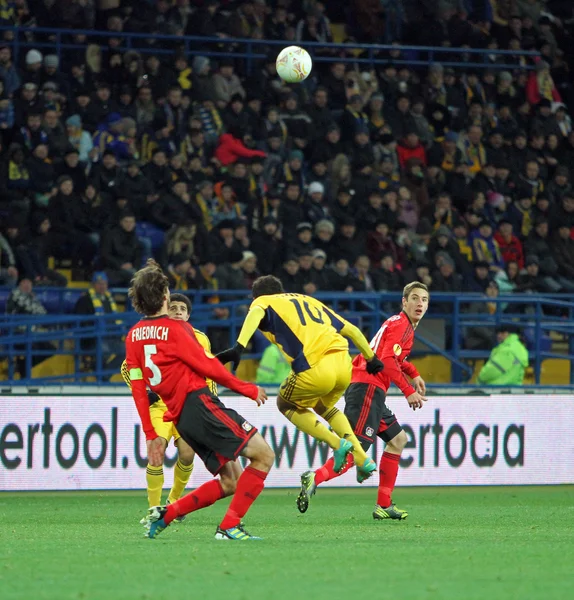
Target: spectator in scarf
[541,85]
[486,248]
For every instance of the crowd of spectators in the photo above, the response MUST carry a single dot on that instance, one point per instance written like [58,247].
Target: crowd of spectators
[358,179]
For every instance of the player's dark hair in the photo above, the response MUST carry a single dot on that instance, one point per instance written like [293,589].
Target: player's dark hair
[415,285]
[181,298]
[267,286]
[149,287]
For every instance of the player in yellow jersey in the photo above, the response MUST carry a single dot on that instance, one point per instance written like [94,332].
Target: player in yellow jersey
[312,338]
[179,309]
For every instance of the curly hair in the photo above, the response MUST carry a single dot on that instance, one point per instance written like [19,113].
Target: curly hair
[149,287]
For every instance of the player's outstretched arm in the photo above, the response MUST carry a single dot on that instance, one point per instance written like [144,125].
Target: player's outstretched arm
[250,325]
[206,365]
[350,331]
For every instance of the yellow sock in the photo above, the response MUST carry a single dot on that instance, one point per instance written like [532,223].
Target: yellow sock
[307,422]
[342,428]
[154,478]
[181,475]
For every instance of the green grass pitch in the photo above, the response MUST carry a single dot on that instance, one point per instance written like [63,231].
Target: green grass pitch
[459,543]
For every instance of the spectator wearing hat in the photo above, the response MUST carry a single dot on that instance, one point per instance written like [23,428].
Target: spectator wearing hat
[541,85]
[234,116]
[222,243]
[389,177]
[99,301]
[320,113]
[545,121]
[444,243]
[8,71]
[473,149]
[316,207]
[324,237]
[565,212]
[26,102]
[537,152]
[507,361]
[354,118]
[51,74]
[445,279]
[79,139]
[100,106]
[31,133]
[226,84]
[400,120]
[303,241]
[560,185]
[305,273]
[121,251]
[480,278]
[32,69]
[360,151]
[509,244]
[544,210]
[111,136]
[297,121]
[485,247]
[518,152]
[373,212]
[71,166]
[531,281]
[520,214]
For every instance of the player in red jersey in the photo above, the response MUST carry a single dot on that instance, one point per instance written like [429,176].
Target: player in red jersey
[365,405]
[164,355]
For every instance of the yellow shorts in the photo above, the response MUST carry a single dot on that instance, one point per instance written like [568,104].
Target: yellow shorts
[164,429]
[325,382]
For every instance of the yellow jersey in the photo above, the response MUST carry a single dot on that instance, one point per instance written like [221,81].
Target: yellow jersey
[303,328]
[203,341]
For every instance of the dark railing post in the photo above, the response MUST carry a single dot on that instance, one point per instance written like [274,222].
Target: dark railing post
[99,331]
[538,341]
[456,371]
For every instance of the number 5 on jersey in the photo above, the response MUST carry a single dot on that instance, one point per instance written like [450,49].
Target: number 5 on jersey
[149,351]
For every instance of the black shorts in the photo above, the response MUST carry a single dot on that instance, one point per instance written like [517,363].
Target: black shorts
[215,432]
[369,415]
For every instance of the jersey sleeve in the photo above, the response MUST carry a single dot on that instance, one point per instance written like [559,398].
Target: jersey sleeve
[409,369]
[386,352]
[139,392]
[251,323]
[206,365]
[206,344]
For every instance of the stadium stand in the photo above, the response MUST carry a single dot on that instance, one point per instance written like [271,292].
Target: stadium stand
[140,128]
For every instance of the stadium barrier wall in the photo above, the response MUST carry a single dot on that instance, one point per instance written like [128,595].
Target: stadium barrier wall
[95,442]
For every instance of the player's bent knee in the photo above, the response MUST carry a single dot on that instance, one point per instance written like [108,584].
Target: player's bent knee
[228,483]
[186,455]
[398,442]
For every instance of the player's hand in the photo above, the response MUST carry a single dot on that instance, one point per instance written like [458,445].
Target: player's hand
[415,400]
[155,451]
[420,385]
[231,355]
[375,365]
[261,396]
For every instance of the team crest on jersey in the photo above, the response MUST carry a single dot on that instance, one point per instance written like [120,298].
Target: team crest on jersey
[369,431]
[247,426]
[397,349]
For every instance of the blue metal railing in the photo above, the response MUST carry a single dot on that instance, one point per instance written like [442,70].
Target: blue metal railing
[95,342]
[59,40]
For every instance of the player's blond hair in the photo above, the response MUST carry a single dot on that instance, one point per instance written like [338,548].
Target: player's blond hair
[415,285]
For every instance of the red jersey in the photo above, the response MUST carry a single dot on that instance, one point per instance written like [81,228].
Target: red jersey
[392,344]
[164,355]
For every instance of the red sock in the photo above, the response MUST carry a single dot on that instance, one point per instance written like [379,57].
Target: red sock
[388,469]
[326,472]
[249,486]
[205,495]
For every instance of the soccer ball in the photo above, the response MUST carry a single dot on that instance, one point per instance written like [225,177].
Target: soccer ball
[293,64]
